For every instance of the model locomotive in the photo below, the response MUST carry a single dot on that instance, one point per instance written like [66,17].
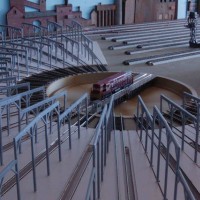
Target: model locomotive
[104,88]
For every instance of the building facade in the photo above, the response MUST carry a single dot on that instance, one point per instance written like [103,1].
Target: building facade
[63,14]
[106,13]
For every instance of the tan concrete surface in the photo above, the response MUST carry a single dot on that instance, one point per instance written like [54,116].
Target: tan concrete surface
[186,71]
[151,97]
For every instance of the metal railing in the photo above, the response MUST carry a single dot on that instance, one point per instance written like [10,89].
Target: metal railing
[11,167]
[164,142]
[74,31]
[99,145]
[20,53]
[30,112]
[31,30]
[10,33]
[4,74]
[144,123]
[137,83]
[195,100]
[54,29]
[91,189]
[187,96]
[3,64]
[31,54]
[77,47]
[14,89]
[87,47]
[157,141]
[8,81]
[71,48]
[32,51]
[184,116]
[99,152]
[110,119]
[42,51]
[11,60]
[187,192]
[29,131]
[5,109]
[67,114]
[57,48]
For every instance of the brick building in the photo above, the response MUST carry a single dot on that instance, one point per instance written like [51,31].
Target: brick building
[148,10]
[62,14]
[122,12]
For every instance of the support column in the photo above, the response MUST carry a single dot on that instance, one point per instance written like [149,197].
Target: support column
[103,18]
[119,12]
[106,17]
[110,17]
[113,17]
[99,18]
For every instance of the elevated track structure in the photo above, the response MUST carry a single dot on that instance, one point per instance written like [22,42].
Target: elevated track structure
[72,152]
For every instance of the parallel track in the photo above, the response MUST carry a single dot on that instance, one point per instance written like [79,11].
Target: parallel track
[28,168]
[130,193]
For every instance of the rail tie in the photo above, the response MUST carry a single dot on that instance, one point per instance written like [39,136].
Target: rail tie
[76,176]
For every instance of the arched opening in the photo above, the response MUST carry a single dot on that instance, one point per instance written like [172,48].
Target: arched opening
[37,23]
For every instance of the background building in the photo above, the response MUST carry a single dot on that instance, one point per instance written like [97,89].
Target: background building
[89,11]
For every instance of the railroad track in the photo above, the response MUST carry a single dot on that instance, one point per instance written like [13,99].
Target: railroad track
[78,172]
[28,168]
[127,162]
[93,121]
[119,30]
[139,27]
[151,35]
[147,40]
[148,59]
[9,145]
[172,164]
[175,130]
[76,176]
[172,161]
[173,58]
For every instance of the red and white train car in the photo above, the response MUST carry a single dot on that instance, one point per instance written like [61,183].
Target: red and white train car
[104,88]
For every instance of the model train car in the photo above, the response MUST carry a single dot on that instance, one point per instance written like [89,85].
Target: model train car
[104,88]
